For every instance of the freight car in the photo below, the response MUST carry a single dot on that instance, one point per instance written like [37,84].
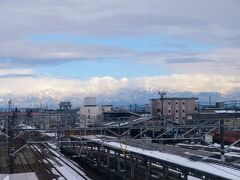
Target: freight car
[230,136]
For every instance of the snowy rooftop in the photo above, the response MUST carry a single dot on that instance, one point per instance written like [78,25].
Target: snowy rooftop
[226,111]
[201,166]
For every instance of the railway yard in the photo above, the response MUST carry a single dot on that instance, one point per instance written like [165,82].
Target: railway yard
[43,159]
[108,157]
[140,148]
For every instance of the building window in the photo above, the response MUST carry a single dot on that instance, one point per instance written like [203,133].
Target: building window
[176,111]
[196,108]
[183,103]
[169,102]
[89,116]
[88,110]
[169,111]
[158,110]
[183,118]
[183,111]
[176,102]
[176,117]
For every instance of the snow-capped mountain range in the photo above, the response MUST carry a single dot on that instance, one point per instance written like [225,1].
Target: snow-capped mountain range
[50,98]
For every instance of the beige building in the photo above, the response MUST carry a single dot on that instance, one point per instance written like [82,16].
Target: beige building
[91,112]
[175,109]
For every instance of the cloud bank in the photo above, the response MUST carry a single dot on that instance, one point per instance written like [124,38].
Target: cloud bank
[109,86]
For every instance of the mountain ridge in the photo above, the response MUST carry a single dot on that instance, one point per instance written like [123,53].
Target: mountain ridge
[51,98]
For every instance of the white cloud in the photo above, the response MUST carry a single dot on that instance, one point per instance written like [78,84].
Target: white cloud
[109,86]
[216,61]
[17,71]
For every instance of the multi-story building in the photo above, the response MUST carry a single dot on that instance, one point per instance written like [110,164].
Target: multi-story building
[174,108]
[90,112]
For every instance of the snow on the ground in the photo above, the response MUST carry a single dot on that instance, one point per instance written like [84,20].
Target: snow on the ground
[24,126]
[49,134]
[235,148]
[192,178]
[54,152]
[69,173]
[7,177]
[66,171]
[52,145]
[226,111]
[67,168]
[214,145]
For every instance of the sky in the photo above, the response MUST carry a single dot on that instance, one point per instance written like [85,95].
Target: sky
[90,47]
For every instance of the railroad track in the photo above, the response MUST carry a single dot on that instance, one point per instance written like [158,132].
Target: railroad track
[46,163]
[45,152]
[21,156]
[26,165]
[74,166]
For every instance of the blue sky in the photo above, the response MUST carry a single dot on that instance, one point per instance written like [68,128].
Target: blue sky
[115,67]
[142,43]
[106,67]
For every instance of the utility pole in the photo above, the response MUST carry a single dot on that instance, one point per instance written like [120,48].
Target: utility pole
[8,117]
[222,139]
[162,94]
[59,131]
[11,147]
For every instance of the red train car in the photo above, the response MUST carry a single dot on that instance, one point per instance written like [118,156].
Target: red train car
[230,136]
